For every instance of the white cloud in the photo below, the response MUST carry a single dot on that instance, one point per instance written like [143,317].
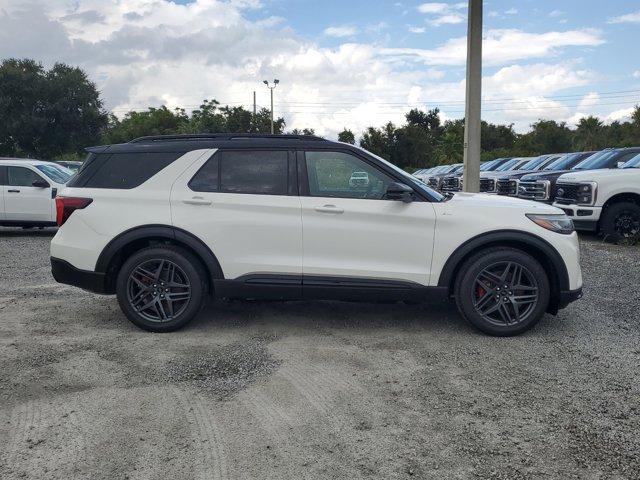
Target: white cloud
[620,115]
[150,52]
[628,18]
[448,19]
[556,13]
[417,29]
[433,7]
[341,31]
[636,74]
[511,11]
[445,13]
[502,46]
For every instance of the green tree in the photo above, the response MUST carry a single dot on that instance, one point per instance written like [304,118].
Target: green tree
[304,131]
[47,113]
[590,134]
[154,121]
[347,136]
[548,136]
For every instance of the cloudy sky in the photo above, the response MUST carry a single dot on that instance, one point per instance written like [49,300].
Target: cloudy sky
[341,63]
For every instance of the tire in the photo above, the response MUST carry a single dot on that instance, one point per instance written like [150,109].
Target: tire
[621,221]
[477,289]
[168,271]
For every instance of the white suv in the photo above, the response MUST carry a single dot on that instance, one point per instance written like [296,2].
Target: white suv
[163,222]
[27,192]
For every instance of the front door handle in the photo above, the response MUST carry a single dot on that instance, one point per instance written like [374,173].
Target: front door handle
[329,209]
[197,201]
[13,191]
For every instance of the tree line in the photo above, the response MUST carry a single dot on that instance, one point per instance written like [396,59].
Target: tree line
[56,113]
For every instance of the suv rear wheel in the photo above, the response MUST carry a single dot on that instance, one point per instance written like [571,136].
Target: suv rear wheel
[502,291]
[161,289]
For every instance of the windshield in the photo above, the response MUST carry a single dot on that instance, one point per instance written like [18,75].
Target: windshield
[633,163]
[508,165]
[563,163]
[57,173]
[533,164]
[412,180]
[486,166]
[596,160]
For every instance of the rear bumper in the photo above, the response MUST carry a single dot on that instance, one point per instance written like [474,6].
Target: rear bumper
[567,297]
[64,272]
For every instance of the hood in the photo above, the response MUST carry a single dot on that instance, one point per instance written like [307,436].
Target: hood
[548,175]
[506,173]
[482,199]
[594,175]
[514,175]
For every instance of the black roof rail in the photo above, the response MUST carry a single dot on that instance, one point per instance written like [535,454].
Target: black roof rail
[221,136]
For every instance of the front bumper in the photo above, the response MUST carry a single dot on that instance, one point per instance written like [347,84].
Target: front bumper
[584,218]
[64,272]
[567,297]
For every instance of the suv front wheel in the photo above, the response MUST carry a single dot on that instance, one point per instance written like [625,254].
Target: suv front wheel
[502,291]
[161,289]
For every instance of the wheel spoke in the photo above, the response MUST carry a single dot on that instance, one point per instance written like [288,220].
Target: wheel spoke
[158,290]
[511,293]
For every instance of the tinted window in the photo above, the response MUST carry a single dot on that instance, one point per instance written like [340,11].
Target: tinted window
[3,175]
[337,174]
[122,170]
[257,172]
[207,178]
[22,177]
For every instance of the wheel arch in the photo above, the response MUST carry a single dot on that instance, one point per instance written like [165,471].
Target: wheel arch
[135,239]
[535,246]
[623,197]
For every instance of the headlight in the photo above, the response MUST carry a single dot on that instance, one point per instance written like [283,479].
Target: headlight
[586,193]
[556,223]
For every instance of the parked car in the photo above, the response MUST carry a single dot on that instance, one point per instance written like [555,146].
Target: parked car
[27,192]
[423,176]
[606,201]
[454,182]
[543,186]
[540,185]
[508,183]
[70,164]
[240,216]
[434,180]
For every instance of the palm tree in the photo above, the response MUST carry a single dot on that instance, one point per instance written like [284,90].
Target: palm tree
[589,134]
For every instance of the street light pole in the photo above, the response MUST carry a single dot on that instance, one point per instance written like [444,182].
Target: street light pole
[473,105]
[272,88]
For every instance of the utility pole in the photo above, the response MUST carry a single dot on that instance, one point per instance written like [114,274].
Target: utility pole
[272,88]
[473,99]
[253,119]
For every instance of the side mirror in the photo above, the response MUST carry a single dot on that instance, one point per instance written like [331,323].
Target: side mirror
[399,191]
[621,164]
[40,184]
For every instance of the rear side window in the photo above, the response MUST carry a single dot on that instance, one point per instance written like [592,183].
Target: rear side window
[258,172]
[122,170]
[3,175]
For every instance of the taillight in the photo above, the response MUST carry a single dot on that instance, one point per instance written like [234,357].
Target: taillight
[66,205]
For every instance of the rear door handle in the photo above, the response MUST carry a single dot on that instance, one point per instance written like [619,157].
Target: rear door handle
[197,201]
[329,209]
[13,191]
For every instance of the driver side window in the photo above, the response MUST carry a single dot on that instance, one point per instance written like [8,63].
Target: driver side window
[342,175]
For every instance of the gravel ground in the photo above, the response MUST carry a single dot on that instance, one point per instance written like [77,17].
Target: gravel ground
[315,390]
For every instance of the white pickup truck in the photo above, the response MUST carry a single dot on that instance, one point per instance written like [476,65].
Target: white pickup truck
[27,191]
[605,201]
